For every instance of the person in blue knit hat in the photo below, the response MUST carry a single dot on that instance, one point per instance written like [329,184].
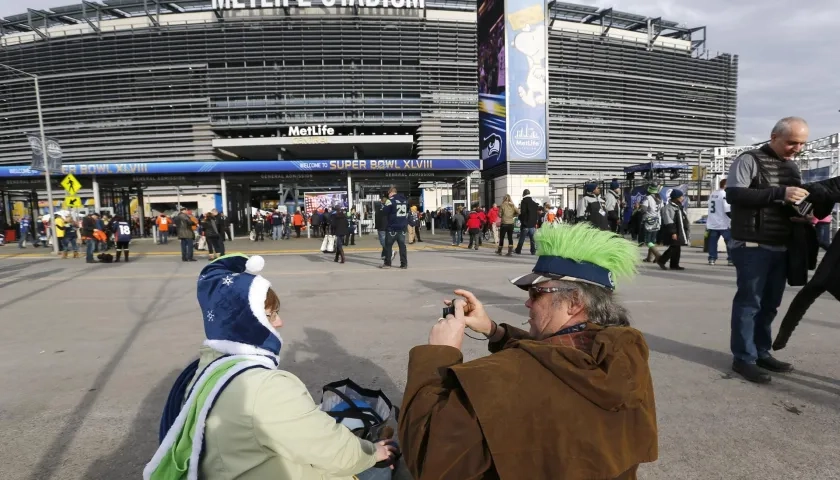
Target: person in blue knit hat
[241,417]
[591,207]
[675,226]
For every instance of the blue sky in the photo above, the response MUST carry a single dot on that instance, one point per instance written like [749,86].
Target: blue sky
[787,52]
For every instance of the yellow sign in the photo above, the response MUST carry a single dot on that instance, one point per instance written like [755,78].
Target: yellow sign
[535,181]
[71,185]
[72,201]
[694,173]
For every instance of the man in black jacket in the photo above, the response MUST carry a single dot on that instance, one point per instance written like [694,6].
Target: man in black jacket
[528,217]
[761,187]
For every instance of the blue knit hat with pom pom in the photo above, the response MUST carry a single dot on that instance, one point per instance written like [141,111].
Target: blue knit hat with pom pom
[232,296]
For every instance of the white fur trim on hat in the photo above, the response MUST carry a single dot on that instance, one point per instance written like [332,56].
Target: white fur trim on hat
[256,300]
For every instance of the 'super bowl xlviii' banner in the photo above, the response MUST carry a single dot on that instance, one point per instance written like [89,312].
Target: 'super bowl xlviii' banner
[527,80]
[323,201]
[492,127]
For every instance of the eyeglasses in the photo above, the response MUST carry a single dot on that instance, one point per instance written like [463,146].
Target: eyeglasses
[535,292]
[272,313]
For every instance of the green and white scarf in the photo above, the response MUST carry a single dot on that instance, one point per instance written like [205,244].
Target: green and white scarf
[179,455]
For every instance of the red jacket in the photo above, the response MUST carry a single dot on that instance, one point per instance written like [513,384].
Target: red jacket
[493,215]
[474,220]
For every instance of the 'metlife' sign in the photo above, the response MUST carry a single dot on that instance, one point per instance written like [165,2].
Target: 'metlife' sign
[242,4]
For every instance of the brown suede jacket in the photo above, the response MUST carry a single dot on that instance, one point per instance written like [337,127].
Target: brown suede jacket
[569,409]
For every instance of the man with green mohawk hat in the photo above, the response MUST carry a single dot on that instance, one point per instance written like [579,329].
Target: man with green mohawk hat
[571,398]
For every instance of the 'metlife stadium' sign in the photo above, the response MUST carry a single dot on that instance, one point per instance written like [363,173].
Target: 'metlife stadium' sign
[242,4]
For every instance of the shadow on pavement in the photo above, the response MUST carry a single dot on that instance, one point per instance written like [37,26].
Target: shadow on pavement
[326,361]
[20,266]
[30,277]
[722,362]
[139,444]
[51,459]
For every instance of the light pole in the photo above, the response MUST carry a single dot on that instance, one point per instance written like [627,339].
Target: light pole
[43,152]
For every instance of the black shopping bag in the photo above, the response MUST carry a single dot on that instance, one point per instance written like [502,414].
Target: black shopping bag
[367,413]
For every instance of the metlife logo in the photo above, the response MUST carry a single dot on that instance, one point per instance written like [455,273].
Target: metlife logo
[527,138]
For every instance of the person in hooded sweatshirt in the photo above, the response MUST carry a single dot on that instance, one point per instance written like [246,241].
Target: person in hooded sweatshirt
[263,423]
[571,398]
[591,207]
[614,206]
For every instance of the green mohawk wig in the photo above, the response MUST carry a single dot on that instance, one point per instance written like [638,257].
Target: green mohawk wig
[582,253]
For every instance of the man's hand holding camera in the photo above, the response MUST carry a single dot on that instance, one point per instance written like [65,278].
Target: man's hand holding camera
[462,313]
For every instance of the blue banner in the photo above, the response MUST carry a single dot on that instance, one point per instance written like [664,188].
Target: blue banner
[527,76]
[492,127]
[162,168]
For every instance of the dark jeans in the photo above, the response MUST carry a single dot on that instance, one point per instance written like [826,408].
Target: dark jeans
[714,235]
[823,234]
[215,244]
[164,237]
[506,230]
[390,238]
[339,246]
[457,237]
[762,275]
[529,232]
[90,245]
[381,234]
[186,248]
[475,235]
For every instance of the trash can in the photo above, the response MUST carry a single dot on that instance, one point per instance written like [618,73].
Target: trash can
[11,235]
[706,242]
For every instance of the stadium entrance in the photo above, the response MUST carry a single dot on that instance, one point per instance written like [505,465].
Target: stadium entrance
[239,188]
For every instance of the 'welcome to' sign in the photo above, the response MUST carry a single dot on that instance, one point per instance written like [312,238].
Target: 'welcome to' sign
[241,4]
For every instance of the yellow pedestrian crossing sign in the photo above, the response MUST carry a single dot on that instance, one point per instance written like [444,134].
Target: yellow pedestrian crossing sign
[72,201]
[71,185]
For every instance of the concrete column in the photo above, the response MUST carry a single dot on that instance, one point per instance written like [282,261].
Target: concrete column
[141,211]
[469,193]
[225,204]
[97,205]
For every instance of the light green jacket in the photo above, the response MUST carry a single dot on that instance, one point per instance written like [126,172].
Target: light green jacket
[265,425]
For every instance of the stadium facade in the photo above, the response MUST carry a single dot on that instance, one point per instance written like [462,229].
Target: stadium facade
[152,82]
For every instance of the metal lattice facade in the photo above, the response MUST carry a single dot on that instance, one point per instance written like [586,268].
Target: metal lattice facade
[126,82]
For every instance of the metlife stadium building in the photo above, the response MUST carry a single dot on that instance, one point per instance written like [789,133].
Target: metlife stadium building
[154,94]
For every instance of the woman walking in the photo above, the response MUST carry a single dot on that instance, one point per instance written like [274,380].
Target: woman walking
[507,213]
[210,227]
[474,227]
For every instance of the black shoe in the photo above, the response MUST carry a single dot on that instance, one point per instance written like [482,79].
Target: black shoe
[403,267]
[677,268]
[384,267]
[750,372]
[662,265]
[770,363]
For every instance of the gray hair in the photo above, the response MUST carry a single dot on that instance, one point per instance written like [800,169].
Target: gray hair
[784,125]
[599,303]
